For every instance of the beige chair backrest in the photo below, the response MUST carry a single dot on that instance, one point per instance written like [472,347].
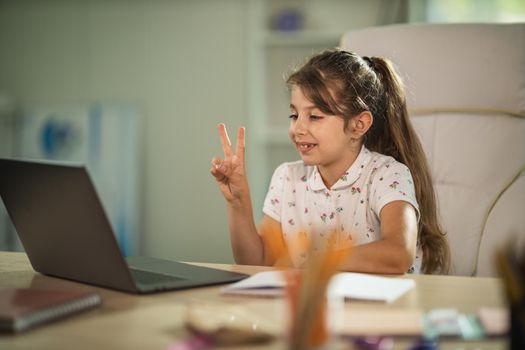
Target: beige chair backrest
[466,95]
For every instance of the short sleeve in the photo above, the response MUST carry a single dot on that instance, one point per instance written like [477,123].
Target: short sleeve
[392,182]
[273,202]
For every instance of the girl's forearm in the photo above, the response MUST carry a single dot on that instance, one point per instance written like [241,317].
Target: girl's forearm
[247,245]
[380,256]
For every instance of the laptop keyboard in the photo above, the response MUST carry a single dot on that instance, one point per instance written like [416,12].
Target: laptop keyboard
[146,277]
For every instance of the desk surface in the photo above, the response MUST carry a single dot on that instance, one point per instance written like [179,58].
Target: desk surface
[156,321]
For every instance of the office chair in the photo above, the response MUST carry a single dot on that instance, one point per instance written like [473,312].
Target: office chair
[465,88]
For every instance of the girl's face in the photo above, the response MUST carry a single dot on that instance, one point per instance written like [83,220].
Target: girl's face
[321,139]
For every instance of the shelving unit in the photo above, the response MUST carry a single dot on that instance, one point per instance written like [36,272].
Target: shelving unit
[272,55]
[304,38]
[8,237]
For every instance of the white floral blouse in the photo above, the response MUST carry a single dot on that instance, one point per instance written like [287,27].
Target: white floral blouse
[300,201]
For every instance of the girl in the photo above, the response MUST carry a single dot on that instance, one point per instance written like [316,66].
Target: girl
[362,175]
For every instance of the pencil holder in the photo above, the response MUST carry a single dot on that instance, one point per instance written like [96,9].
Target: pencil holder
[314,312]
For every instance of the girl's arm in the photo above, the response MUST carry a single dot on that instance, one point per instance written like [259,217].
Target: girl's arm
[395,251]
[247,245]
[251,248]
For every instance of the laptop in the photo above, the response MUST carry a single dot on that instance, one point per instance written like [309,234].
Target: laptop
[65,232]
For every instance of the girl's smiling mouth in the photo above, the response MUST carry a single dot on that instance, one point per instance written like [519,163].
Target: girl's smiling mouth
[305,146]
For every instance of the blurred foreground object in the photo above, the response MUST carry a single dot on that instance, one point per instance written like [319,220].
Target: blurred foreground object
[511,267]
[312,307]
[220,324]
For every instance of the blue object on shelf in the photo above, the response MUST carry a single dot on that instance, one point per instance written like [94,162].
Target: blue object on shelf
[289,20]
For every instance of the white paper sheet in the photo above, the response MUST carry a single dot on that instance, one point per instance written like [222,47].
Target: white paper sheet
[347,284]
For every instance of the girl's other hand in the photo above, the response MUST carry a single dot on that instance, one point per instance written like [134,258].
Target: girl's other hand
[230,172]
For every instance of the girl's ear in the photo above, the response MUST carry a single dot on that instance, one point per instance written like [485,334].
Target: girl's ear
[360,124]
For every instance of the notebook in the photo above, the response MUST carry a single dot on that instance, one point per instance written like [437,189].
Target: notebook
[65,232]
[349,285]
[25,308]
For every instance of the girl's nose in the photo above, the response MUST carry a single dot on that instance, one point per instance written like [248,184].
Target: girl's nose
[299,127]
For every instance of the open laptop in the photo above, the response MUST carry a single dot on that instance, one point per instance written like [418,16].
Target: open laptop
[65,231]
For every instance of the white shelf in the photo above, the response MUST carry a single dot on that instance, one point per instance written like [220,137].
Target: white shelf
[304,38]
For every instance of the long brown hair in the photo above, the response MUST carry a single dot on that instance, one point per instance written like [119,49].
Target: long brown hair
[343,83]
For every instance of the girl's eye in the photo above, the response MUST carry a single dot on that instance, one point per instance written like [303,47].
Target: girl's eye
[316,117]
[293,116]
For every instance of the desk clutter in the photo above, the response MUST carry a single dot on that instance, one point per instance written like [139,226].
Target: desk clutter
[24,308]
[217,324]
[322,326]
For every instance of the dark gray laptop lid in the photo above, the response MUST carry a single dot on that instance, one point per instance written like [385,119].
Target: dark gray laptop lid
[66,233]
[47,204]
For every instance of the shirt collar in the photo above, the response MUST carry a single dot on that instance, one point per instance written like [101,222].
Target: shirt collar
[315,181]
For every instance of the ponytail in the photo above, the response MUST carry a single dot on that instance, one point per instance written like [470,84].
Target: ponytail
[396,137]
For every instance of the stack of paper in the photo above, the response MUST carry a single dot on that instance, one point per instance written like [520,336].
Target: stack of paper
[346,284]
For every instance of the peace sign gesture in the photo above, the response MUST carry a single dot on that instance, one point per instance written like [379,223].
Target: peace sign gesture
[230,172]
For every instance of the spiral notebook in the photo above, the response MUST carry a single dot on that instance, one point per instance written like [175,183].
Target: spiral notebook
[25,308]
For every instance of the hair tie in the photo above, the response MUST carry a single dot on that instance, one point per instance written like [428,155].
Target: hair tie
[369,61]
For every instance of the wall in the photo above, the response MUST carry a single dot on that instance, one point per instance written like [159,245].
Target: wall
[183,62]
[189,64]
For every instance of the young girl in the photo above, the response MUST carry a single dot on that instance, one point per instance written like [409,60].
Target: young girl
[362,175]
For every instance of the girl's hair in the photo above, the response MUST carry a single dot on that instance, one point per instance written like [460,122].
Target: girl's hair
[343,83]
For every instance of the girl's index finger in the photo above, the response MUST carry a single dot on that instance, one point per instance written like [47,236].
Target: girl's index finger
[239,152]
[225,140]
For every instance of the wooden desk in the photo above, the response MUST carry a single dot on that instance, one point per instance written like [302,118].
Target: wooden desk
[155,321]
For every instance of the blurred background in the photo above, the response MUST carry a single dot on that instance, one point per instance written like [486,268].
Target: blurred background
[134,89]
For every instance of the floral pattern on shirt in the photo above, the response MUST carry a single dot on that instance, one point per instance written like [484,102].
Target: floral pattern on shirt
[298,198]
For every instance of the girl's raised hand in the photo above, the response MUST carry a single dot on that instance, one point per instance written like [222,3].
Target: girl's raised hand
[230,172]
